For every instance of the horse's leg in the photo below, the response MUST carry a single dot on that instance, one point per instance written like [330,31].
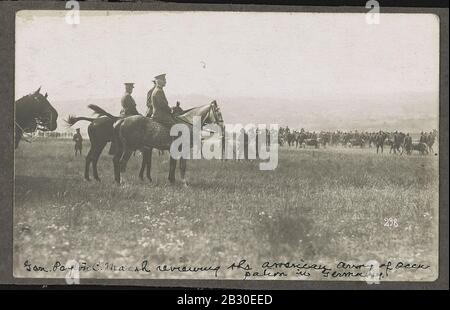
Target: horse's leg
[124,159]
[172,167]
[143,165]
[88,162]
[183,163]
[116,162]
[149,164]
[95,158]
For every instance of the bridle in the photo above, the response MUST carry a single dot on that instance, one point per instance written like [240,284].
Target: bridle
[213,114]
[24,133]
[40,124]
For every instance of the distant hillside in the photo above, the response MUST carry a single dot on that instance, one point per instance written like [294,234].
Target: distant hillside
[408,112]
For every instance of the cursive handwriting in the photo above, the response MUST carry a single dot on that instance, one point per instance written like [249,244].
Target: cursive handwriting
[244,269]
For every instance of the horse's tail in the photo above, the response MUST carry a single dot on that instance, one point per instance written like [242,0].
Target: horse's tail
[71,120]
[102,112]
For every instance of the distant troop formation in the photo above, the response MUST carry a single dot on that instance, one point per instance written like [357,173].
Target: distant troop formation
[397,142]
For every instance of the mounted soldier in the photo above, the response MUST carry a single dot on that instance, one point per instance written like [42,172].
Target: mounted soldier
[127,102]
[128,109]
[162,113]
[423,138]
[408,143]
[149,100]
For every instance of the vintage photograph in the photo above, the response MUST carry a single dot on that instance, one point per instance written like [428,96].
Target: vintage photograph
[226,145]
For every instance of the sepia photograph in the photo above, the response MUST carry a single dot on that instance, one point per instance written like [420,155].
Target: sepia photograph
[226,145]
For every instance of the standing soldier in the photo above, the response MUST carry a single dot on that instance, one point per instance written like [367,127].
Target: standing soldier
[408,144]
[78,142]
[161,110]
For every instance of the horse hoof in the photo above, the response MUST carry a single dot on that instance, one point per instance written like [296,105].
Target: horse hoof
[98,179]
[87,179]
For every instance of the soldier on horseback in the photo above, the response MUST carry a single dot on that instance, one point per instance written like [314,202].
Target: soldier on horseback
[408,144]
[128,109]
[149,100]
[162,113]
[423,137]
[127,102]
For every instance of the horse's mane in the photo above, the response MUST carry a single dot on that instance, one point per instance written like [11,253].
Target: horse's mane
[188,115]
[23,98]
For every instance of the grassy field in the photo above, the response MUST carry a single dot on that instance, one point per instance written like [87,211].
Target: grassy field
[321,206]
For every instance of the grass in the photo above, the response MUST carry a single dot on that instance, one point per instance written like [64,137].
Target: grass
[323,205]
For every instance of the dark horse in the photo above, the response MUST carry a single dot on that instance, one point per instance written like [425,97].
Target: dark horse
[100,131]
[142,133]
[33,112]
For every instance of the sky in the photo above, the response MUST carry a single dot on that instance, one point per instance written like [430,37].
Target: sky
[292,56]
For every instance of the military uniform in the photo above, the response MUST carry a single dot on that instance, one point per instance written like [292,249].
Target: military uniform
[149,102]
[161,110]
[128,106]
[128,109]
[78,142]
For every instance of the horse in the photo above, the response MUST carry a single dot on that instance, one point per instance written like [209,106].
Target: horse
[100,131]
[430,141]
[142,133]
[356,142]
[33,112]
[290,138]
[421,147]
[311,142]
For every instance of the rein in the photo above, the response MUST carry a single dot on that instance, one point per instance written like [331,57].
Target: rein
[24,133]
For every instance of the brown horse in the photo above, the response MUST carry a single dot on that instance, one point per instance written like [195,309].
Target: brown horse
[421,147]
[142,133]
[100,131]
[33,112]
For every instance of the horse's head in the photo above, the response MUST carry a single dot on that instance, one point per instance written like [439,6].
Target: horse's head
[44,113]
[214,115]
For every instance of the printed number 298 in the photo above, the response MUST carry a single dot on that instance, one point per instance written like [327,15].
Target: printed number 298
[390,222]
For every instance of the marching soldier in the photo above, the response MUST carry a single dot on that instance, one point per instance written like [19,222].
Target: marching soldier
[162,113]
[128,103]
